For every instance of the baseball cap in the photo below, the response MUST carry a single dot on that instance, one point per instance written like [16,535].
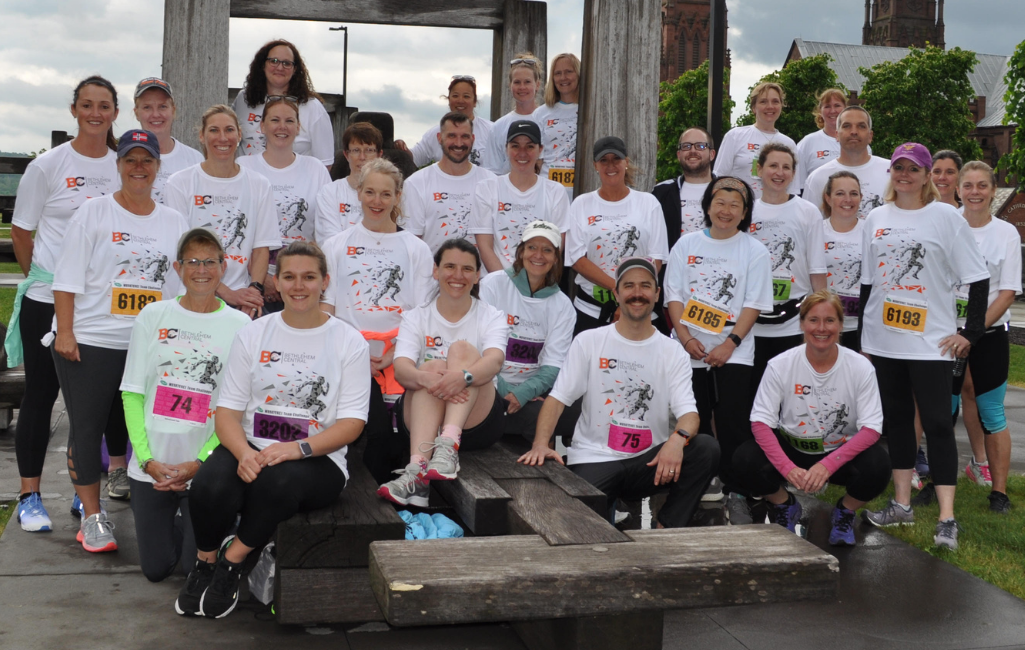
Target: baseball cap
[916,153]
[628,263]
[527,128]
[153,82]
[138,138]
[609,144]
[545,229]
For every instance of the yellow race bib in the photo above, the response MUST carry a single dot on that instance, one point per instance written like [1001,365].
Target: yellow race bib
[905,315]
[704,315]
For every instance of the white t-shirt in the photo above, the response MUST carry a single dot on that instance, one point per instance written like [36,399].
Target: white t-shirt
[913,259]
[338,208]
[425,334]
[181,157]
[540,329]
[873,177]
[120,262]
[495,157]
[429,151]
[813,151]
[295,383]
[559,141]
[606,231]
[176,360]
[692,217]
[718,277]
[1000,245]
[439,206]
[375,277]
[316,137]
[295,189]
[738,154]
[792,232]
[53,187]
[816,413]
[843,268]
[503,211]
[240,210]
[631,389]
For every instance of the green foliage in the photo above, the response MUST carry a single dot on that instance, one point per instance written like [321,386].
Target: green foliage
[922,98]
[801,80]
[1012,164]
[683,104]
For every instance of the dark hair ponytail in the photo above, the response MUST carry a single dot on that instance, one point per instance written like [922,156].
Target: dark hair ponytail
[97,80]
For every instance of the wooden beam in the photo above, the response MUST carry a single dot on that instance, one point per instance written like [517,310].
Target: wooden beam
[14,165]
[541,508]
[312,596]
[717,52]
[480,502]
[467,14]
[524,29]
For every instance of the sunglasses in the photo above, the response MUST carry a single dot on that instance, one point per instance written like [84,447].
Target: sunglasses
[464,77]
[287,98]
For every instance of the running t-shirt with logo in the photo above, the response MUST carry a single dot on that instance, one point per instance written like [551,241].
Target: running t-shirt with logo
[239,210]
[540,329]
[816,413]
[630,391]
[843,268]
[295,189]
[426,335]
[738,154]
[714,279]
[1000,245]
[338,208]
[439,206]
[792,232]
[559,142]
[607,231]
[53,187]
[873,177]
[813,151]
[292,384]
[316,137]
[503,211]
[428,150]
[495,157]
[692,217]
[376,277]
[181,157]
[176,359]
[913,259]
[120,263]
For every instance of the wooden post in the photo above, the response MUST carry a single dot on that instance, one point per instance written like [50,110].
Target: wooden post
[524,29]
[619,85]
[195,60]
[717,53]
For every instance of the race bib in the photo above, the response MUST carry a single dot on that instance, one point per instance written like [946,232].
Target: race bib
[563,177]
[781,289]
[629,436]
[811,445]
[962,309]
[851,304]
[281,423]
[601,295]
[523,351]
[905,315]
[128,298]
[181,401]
[705,315]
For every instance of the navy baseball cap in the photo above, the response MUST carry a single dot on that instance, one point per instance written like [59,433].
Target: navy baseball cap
[138,138]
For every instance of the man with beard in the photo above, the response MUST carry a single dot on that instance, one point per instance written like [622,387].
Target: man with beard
[680,197]
[438,198]
[625,451]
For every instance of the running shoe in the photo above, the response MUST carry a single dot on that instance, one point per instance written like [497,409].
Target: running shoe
[187,603]
[916,480]
[892,515]
[76,507]
[926,497]
[786,515]
[842,532]
[946,534]
[999,503]
[410,488]
[921,463]
[737,510]
[220,598]
[714,490]
[444,462]
[979,473]
[32,515]
[117,484]
[96,534]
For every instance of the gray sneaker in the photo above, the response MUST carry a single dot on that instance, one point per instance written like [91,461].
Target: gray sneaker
[409,488]
[117,484]
[444,463]
[946,534]
[892,515]
[96,534]
[714,490]
[737,510]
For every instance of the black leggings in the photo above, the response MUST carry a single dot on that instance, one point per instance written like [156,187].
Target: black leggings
[766,348]
[41,388]
[163,529]
[279,491]
[723,393]
[930,383]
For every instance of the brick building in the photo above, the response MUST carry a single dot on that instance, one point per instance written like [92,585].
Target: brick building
[685,35]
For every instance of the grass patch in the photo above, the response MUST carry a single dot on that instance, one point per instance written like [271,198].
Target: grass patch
[1016,376]
[6,512]
[6,303]
[991,546]
[10,267]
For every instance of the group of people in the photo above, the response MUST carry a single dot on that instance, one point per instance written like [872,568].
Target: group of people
[242,319]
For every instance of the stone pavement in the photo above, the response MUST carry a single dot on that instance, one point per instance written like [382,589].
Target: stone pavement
[54,595]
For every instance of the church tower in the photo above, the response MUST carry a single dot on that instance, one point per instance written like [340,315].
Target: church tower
[685,37]
[903,23]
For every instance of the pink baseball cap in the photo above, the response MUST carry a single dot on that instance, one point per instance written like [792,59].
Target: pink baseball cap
[916,153]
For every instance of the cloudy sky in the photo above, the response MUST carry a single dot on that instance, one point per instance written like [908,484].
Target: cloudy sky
[48,45]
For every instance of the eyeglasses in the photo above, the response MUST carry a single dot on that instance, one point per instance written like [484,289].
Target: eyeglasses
[687,146]
[464,77]
[193,263]
[287,65]
[369,151]
[287,98]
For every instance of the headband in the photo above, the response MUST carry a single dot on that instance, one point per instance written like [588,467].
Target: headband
[731,184]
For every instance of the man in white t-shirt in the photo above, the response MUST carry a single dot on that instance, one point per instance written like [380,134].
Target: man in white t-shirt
[680,197]
[854,131]
[631,378]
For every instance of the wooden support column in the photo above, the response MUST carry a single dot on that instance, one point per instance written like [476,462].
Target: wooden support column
[195,60]
[619,84]
[524,29]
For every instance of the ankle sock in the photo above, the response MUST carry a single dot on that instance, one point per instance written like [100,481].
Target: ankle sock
[452,432]
[419,460]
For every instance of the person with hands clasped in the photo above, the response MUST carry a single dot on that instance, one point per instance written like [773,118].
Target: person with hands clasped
[631,378]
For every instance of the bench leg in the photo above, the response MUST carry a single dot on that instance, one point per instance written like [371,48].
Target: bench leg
[637,631]
[6,415]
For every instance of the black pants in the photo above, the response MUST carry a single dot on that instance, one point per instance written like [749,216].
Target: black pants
[723,394]
[279,491]
[41,388]
[165,534]
[632,479]
[930,384]
[524,422]
[865,476]
[851,340]
[767,348]
[587,322]
[386,448]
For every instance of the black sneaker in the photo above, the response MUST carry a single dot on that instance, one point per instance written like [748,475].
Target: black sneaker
[998,502]
[221,596]
[199,579]
[926,497]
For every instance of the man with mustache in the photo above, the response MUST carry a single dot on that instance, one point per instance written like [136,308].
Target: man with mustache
[630,378]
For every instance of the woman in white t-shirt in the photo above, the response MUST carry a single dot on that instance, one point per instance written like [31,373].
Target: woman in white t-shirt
[557,118]
[446,357]
[338,203]
[985,377]
[121,262]
[946,168]
[817,148]
[296,181]
[234,202]
[277,70]
[741,146]
[915,250]
[526,74]
[816,419]
[155,110]
[294,396]
[842,233]
[462,98]
[172,377]
[54,185]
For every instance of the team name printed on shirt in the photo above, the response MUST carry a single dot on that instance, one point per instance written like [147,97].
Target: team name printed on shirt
[75,182]
[172,334]
[273,356]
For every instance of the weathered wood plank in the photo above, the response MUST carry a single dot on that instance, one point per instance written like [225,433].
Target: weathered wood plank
[307,597]
[524,29]
[637,631]
[563,477]
[12,383]
[480,502]
[470,14]
[14,165]
[522,578]
[500,462]
[542,508]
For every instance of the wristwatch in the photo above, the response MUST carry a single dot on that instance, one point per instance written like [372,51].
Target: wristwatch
[306,449]
[256,285]
[736,339]
[468,376]
[683,434]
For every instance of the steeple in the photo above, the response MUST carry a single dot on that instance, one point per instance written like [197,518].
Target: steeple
[903,23]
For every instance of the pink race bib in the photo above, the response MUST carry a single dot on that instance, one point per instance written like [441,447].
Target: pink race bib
[628,439]
[182,401]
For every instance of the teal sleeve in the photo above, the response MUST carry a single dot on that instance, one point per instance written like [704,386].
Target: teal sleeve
[135,421]
[537,385]
[504,388]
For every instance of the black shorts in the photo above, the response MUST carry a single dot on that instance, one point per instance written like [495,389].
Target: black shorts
[482,436]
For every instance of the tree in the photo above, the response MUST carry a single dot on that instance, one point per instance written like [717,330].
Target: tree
[922,98]
[802,80]
[682,104]
[1012,164]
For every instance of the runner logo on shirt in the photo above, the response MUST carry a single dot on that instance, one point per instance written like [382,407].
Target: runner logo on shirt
[901,259]
[292,211]
[563,140]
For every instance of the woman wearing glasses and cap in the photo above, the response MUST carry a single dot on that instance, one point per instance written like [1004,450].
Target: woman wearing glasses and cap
[277,70]
[462,98]
[155,110]
[525,74]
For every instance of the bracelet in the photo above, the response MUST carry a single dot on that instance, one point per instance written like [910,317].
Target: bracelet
[688,341]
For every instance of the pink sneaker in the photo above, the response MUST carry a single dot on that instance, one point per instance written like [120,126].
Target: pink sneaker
[979,473]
